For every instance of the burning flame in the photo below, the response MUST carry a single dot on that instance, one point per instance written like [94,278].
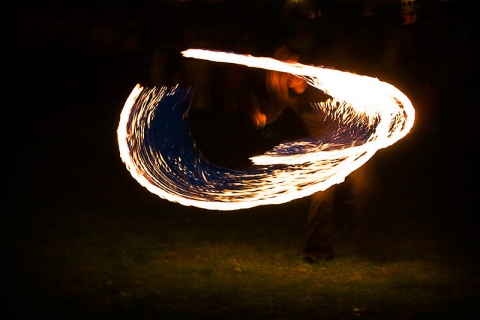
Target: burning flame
[156,146]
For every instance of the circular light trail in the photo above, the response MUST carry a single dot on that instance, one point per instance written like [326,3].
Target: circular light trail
[157,148]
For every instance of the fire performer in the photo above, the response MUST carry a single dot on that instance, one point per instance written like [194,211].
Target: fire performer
[291,93]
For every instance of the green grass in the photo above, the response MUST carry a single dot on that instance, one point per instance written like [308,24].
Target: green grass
[160,260]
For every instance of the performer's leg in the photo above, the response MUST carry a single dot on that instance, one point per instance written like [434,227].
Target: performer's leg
[320,226]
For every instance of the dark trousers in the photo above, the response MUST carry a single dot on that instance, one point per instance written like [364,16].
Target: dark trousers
[320,229]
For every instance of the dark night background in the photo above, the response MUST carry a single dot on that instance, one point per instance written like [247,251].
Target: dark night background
[69,66]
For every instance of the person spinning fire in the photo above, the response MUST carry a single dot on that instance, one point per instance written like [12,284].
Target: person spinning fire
[291,97]
[267,115]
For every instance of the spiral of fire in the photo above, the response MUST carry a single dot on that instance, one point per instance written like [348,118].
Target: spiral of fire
[157,148]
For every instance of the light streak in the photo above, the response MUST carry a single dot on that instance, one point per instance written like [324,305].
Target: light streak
[157,148]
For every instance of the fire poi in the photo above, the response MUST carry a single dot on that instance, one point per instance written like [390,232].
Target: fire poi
[157,148]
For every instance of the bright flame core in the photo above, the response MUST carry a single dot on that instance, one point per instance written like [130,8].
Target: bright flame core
[183,175]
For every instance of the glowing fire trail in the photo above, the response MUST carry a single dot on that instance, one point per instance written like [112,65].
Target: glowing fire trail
[158,150]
